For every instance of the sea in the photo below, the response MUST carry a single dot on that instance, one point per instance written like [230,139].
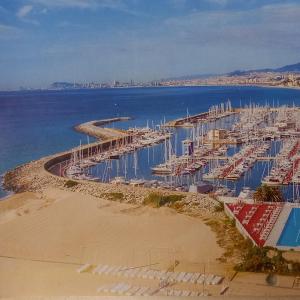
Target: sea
[34,124]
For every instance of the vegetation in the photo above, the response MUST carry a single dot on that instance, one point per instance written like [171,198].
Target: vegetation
[229,238]
[158,200]
[247,257]
[114,196]
[70,183]
[219,207]
[179,206]
[267,193]
[267,259]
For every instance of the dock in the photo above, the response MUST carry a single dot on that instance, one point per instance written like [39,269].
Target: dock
[95,129]
[259,158]
[190,121]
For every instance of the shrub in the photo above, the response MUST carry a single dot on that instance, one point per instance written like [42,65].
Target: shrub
[258,259]
[267,193]
[70,183]
[219,207]
[114,196]
[158,200]
[230,222]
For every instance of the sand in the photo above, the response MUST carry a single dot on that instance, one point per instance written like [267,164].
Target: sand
[46,238]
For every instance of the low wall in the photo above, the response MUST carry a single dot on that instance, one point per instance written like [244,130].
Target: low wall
[86,150]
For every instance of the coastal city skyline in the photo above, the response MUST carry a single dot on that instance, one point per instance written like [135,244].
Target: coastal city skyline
[89,40]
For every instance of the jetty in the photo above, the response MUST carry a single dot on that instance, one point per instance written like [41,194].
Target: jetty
[111,144]
[190,121]
[214,113]
[95,129]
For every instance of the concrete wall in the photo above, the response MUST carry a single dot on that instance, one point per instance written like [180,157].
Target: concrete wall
[86,150]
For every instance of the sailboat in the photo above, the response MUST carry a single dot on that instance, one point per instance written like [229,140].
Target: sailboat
[187,122]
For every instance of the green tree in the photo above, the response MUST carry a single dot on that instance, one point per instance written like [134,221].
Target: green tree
[266,193]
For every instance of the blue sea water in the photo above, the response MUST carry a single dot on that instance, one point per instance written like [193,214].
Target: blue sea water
[38,123]
[290,236]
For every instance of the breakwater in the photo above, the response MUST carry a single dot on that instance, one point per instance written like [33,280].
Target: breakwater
[190,121]
[53,164]
[93,128]
[110,137]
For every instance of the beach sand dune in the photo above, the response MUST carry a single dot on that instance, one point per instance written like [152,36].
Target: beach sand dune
[63,229]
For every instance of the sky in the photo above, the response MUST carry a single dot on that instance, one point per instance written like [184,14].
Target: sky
[42,41]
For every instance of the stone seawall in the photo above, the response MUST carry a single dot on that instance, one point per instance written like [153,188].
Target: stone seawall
[93,128]
[34,177]
[85,150]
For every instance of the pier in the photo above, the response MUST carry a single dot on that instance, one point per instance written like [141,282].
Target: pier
[110,138]
[214,113]
[94,129]
[189,121]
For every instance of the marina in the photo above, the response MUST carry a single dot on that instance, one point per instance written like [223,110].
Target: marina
[196,159]
[149,149]
[179,159]
[214,113]
[55,134]
[227,153]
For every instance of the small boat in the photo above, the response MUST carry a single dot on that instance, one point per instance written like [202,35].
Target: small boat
[271,181]
[118,180]
[246,193]
[137,182]
[161,169]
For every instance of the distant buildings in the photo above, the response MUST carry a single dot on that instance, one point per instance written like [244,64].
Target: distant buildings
[99,85]
[268,77]
[250,78]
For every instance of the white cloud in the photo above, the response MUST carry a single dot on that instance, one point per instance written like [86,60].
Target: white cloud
[269,26]
[116,5]
[24,11]
[80,3]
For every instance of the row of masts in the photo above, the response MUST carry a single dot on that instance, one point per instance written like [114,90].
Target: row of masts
[220,109]
[253,128]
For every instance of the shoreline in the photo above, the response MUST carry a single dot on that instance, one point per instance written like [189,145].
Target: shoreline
[35,176]
[153,87]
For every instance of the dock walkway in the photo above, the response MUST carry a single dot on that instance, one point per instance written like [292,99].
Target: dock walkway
[94,129]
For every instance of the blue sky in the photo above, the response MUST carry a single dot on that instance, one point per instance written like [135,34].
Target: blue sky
[42,41]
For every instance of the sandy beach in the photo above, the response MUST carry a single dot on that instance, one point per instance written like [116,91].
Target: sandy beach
[46,237]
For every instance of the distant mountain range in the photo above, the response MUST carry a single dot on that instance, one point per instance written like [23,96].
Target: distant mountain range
[295,68]
[289,68]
